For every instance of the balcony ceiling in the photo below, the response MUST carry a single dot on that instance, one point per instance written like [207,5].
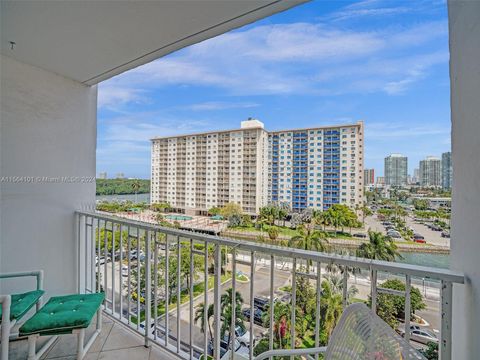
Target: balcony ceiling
[90,41]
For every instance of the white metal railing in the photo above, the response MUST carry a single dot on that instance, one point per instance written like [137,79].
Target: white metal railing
[130,269]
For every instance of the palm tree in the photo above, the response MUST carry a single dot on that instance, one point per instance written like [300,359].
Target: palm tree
[332,307]
[365,212]
[323,219]
[273,234]
[227,312]
[336,283]
[283,210]
[135,186]
[199,317]
[309,239]
[379,247]
[281,321]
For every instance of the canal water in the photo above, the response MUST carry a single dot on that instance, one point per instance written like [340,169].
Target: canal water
[426,259]
[130,197]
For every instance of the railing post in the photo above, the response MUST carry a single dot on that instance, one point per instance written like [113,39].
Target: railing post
[190,290]
[272,304]
[205,302]
[373,285]
[407,306]
[234,301]
[216,302]
[294,302]
[445,348]
[167,288]
[148,287]
[318,306]
[80,226]
[345,287]
[252,296]
[179,291]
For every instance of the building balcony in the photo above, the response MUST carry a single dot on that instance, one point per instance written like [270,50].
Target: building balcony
[177,335]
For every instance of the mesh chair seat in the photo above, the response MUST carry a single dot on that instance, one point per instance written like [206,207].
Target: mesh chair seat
[362,335]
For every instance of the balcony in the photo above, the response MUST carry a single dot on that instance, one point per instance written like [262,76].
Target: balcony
[155,251]
[48,128]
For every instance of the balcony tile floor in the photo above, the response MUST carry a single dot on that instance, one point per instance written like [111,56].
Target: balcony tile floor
[115,342]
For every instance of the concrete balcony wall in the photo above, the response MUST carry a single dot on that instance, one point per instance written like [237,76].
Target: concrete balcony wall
[464,23]
[47,129]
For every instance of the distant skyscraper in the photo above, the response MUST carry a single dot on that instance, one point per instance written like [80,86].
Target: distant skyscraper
[102,175]
[416,176]
[447,170]
[396,166]
[369,176]
[380,180]
[120,176]
[431,171]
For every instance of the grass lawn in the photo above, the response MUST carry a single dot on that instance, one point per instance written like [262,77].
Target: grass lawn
[203,357]
[242,277]
[287,232]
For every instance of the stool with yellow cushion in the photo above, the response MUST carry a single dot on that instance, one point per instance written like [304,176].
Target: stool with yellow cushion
[70,314]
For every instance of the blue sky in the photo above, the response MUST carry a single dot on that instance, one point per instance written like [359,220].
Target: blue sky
[322,63]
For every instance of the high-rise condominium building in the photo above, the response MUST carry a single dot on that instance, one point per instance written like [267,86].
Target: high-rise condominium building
[447,170]
[369,176]
[396,167]
[102,175]
[380,180]
[250,166]
[317,167]
[431,172]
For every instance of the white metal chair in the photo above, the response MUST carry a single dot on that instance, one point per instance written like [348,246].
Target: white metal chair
[14,307]
[359,335]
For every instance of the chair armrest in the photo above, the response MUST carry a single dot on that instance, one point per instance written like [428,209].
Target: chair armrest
[291,352]
[37,273]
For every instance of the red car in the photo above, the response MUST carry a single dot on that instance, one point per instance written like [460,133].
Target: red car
[422,241]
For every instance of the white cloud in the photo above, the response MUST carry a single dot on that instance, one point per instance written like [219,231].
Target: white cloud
[292,58]
[388,130]
[221,105]
[112,96]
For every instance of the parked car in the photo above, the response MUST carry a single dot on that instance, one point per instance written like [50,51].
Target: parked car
[124,270]
[101,261]
[423,336]
[360,235]
[262,303]
[243,336]
[390,227]
[445,234]
[417,236]
[421,241]
[257,315]
[224,347]
[394,234]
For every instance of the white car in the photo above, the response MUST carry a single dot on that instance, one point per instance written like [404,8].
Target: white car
[124,270]
[423,336]
[243,336]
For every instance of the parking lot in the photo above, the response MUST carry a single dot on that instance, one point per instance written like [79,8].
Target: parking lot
[431,237]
